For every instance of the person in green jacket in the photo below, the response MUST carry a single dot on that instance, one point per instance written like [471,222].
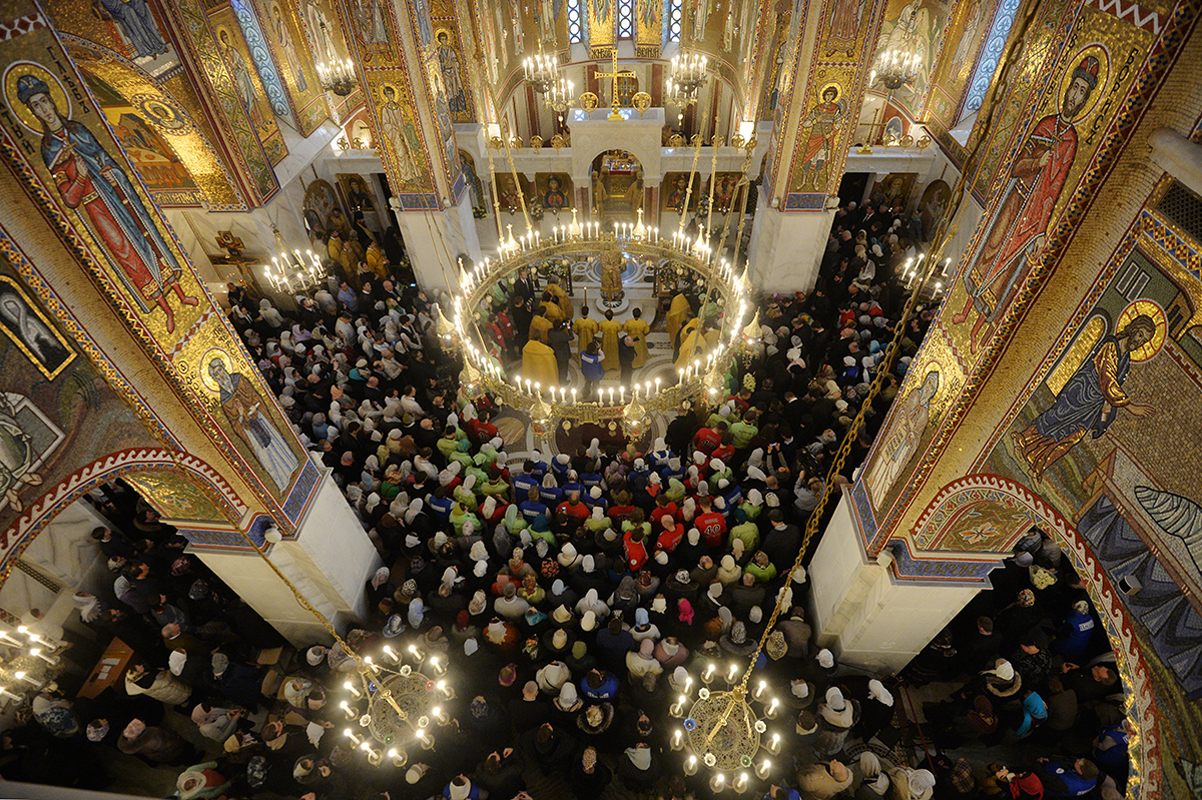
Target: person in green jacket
[761,568]
[743,431]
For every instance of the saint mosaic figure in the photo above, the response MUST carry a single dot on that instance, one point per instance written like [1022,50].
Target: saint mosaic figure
[1089,403]
[243,407]
[91,181]
[823,123]
[1018,230]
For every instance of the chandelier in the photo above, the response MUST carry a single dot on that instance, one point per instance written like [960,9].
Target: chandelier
[628,406]
[560,96]
[724,726]
[686,75]
[895,68]
[337,76]
[289,272]
[396,704]
[25,666]
[541,71]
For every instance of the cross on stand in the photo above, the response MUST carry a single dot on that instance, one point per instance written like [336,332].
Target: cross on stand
[613,86]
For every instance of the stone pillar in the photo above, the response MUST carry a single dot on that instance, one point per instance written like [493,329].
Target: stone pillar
[435,240]
[786,249]
[328,561]
[864,611]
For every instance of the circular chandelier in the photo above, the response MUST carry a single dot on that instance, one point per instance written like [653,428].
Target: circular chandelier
[395,704]
[895,68]
[337,76]
[686,75]
[629,406]
[724,727]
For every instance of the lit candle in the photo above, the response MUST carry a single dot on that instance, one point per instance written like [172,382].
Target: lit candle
[774,745]
[677,740]
[690,766]
[762,769]
[350,688]
[718,783]
[677,708]
[759,690]
[708,675]
[734,670]
[772,707]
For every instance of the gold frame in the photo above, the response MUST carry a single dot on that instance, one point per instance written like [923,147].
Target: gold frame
[66,344]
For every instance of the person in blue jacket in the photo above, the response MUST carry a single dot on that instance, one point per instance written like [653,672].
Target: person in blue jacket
[1078,630]
[1069,779]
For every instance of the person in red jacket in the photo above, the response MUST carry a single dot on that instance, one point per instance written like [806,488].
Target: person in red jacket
[710,523]
[662,506]
[634,544]
[573,508]
[671,535]
[707,439]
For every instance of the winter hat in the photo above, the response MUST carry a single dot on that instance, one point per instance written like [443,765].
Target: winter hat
[568,700]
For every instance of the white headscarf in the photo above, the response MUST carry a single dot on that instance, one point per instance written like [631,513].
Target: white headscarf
[877,691]
[921,781]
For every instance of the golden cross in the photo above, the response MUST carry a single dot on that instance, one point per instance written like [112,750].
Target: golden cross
[613,87]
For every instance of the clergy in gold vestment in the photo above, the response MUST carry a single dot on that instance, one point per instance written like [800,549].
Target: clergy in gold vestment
[690,343]
[551,309]
[586,329]
[561,297]
[538,364]
[540,326]
[638,329]
[610,328]
[678,314]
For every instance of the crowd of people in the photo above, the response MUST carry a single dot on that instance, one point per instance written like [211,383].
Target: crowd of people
[569,591]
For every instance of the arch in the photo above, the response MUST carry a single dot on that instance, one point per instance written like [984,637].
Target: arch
[1146,777]
[38,514]
[168,119]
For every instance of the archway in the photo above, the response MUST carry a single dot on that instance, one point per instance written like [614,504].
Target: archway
[210,491]
[617,185]
[1135,671]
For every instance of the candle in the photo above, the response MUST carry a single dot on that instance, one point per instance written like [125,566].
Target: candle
[763,768]
[350,688]
[772,707]
[734,670]
[677,740]
[774,746]
[690,766]
[759,690]
[677,708]
[708,674]
[718,783]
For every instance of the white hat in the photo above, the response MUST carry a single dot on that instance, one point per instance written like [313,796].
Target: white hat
[825,658]
[470,647]
[478,552]
[877,691]
[588,621]
[755,614]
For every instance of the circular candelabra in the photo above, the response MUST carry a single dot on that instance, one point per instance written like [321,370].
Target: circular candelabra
[630,405]
[724,727]
[337,76]
[560,96]
[541,71]
[289,272]
[395,704]
[686,75]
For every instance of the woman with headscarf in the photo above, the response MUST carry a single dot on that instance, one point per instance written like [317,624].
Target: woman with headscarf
[642,661]
[638,768]
[589,777]
[876,711]
[911,784]
[838,716]
[155,745]
[823,781]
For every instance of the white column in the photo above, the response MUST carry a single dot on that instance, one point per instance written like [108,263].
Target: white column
[786,248]
[863,611]
[328,562]
[434,239]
